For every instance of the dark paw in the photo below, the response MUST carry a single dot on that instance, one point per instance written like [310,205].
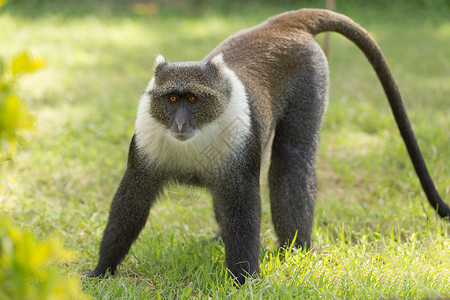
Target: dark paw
[93,274]
[243,276]
[89,274]
[241,279]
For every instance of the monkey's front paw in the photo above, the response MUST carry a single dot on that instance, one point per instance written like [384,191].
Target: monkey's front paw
[93,274]
[89,274]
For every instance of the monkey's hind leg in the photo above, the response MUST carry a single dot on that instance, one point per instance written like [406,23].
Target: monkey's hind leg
[292,183]
[292,177]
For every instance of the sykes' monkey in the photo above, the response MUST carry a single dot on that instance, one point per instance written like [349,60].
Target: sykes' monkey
[271,79]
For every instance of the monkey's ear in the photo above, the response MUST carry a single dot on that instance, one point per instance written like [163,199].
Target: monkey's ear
[160,61]
[217,63]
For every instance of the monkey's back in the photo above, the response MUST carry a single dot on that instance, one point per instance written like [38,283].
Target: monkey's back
[274,60]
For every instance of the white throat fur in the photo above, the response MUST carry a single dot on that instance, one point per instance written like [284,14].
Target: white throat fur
[212,144]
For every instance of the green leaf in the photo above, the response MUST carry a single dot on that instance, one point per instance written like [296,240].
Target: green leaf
[3,2]
[25,63]
[25,270]
[14,114]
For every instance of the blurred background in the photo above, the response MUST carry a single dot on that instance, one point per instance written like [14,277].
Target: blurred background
[84,65]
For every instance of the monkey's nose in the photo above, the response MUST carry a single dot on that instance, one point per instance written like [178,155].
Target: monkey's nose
[180,124]
[180,120]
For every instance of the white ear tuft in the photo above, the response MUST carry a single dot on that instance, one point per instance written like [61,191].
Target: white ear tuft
[218,62]
[160,60]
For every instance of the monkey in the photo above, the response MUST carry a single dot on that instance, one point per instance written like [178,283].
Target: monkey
[263,88]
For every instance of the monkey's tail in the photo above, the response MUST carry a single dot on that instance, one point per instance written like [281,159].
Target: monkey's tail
[317,21]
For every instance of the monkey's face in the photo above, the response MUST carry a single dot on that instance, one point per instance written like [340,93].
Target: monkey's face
[188,96]
[178,112]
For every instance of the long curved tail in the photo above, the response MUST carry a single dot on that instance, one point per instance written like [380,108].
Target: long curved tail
[316,21]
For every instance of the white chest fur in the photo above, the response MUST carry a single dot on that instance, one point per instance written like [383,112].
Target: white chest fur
[212,144]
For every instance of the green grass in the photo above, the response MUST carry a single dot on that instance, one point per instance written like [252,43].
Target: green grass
[375,236]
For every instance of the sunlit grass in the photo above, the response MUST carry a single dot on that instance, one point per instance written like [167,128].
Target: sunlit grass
[375,236]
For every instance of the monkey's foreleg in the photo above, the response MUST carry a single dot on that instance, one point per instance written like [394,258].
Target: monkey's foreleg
[128,214]
[239,208]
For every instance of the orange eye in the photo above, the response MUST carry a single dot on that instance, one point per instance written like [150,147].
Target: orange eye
[173,99]
[192,99]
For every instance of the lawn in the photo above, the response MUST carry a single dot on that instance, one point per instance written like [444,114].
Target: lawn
[375,236]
